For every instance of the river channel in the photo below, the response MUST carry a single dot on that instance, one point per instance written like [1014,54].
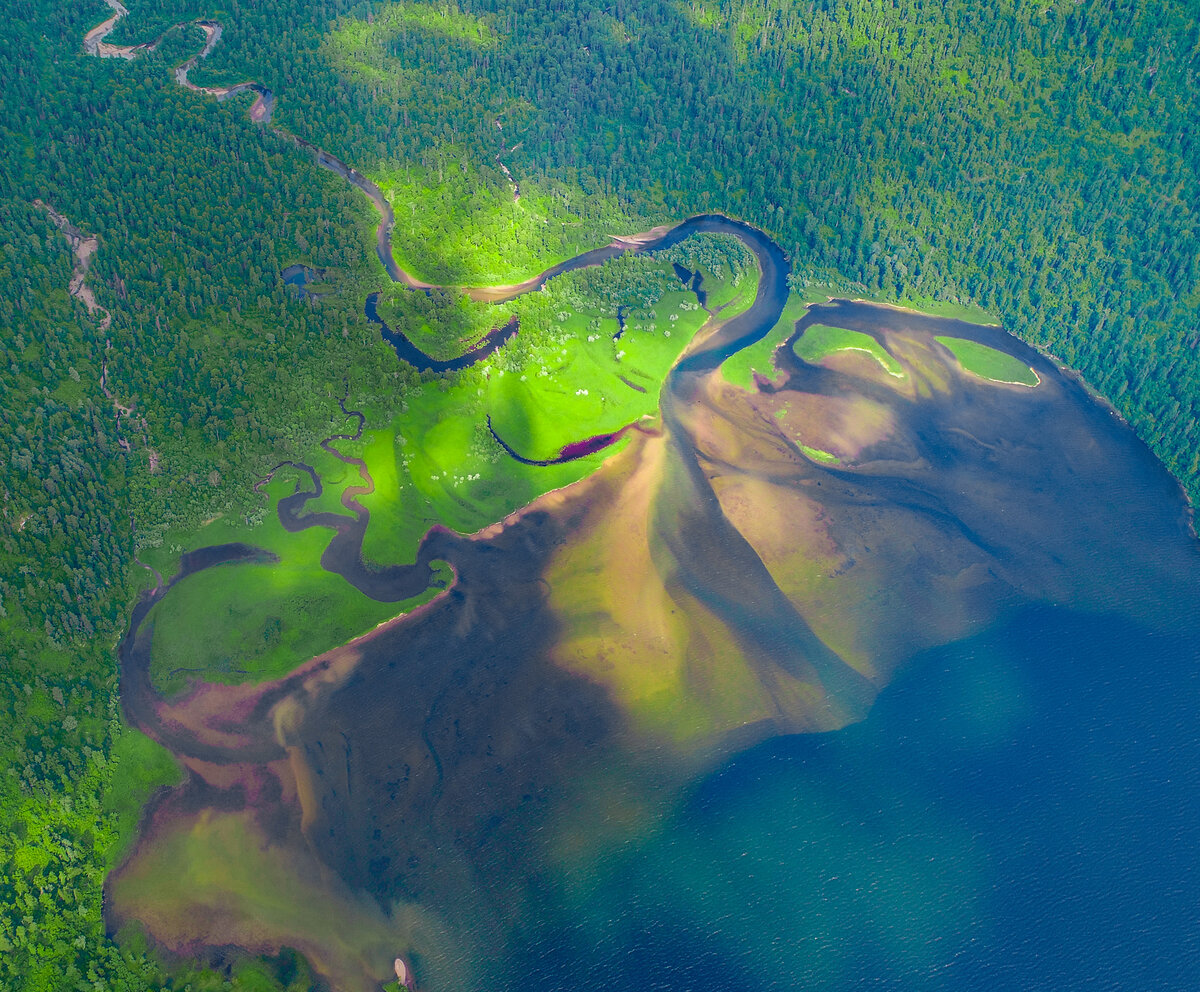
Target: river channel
[492,776]
[916,714]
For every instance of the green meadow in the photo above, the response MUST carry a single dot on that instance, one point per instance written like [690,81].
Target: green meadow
[817,455]
[988,363]
[561,380]
[566,377]
[257,621]
[430,467]
[820,341]
[739,368]
[142,766]
[587,381]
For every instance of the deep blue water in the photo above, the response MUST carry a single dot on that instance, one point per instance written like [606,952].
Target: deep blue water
[1020,811]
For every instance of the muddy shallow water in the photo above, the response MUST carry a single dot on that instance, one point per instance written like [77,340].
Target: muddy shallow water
[849,680]
[725,715]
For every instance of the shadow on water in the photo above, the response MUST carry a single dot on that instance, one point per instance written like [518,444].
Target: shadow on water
[1021,796]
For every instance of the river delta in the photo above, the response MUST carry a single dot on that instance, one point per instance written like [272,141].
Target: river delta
[798,677]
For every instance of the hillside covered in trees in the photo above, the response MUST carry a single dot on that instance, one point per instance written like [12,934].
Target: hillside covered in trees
[1036,159]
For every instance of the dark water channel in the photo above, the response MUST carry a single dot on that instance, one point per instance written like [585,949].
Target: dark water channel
[1015,811]
[409,352]
[743,330]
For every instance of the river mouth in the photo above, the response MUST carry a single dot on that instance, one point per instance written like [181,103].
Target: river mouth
[648,733]
[484,772]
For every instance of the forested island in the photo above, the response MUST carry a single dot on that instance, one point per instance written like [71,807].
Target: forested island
[271,286]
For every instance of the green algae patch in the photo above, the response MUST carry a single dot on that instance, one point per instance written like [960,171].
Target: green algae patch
[819,456]
[820,341]
[989,363]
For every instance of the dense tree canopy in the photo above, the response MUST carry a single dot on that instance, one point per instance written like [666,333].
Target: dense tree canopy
[1039,159]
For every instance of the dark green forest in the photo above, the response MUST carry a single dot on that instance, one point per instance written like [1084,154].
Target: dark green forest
[1037,159]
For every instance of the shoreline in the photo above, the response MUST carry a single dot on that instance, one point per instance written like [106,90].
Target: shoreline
[913,310]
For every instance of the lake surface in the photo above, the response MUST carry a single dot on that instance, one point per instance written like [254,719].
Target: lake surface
[1017,812]
[723,716]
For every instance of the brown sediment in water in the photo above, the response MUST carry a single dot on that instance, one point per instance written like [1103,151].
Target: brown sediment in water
[633,623]
[625,629]
[236,880]
[709,587]
[218,714]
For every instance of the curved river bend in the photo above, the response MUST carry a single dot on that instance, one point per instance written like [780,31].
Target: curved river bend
[344,554]
[1025,552]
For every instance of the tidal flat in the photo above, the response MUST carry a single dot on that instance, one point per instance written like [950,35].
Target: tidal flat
[721,714]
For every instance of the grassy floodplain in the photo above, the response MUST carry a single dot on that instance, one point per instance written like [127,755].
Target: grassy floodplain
[590,381]
[570,374]
[564,378]
[430,468]
[740,367]
[817,455]
[257,621]
[142,767]
[989,363]
[820,341]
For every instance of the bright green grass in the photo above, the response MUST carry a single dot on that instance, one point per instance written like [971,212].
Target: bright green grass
[820,341]
[430,468]
[574,388]
[548,388]
[250,622]
[432,461]
[724,296]
[817,455]
[335,476]
[739,368]
[254,622]
[264,529]
[988,363]
[69,391]
[142,766]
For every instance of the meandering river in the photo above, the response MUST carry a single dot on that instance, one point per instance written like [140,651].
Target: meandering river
[724,715]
